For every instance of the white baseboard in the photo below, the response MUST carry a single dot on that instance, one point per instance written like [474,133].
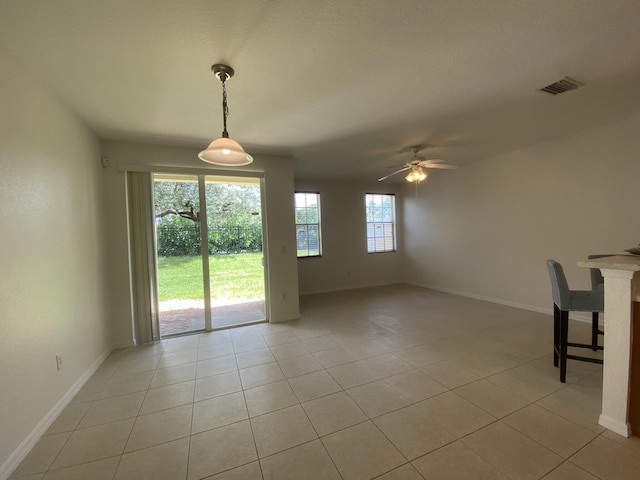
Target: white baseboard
[621,428]
[582,317]
[12,462]
[350,287]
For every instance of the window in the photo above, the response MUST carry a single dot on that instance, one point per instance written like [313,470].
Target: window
[381,223]
[308,224]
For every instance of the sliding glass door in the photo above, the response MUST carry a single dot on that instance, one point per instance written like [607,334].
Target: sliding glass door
[209,252]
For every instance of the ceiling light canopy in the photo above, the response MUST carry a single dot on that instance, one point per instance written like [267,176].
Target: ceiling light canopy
[224,150]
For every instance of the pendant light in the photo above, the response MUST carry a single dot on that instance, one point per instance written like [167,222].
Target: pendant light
[224,150]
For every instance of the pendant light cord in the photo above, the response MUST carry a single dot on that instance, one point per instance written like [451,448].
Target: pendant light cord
[225,108]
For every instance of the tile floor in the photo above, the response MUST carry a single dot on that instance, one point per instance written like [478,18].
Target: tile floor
[391,383]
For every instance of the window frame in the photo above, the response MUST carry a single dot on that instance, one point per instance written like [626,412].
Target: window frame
[369,221]
[317,224]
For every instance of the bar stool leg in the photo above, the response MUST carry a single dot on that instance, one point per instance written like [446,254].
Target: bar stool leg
[594,331]
[564,327]
[556,334]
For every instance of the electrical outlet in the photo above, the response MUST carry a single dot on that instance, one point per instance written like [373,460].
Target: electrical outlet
[59,361]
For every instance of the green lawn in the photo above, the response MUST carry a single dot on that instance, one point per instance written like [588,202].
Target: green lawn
[232,276]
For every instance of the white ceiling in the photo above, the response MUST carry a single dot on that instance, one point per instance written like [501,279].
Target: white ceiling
[343,86]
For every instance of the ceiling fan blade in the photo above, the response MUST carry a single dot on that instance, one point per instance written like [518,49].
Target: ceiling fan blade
[429,164]
[394,173]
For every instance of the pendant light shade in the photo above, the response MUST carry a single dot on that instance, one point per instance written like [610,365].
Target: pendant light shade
[224,150]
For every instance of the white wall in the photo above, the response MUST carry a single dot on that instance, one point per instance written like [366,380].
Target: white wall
[281,250]
[52,290]
[345,262]
[486,229]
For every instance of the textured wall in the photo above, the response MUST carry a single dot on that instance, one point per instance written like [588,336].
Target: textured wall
[486,229]
[51,255]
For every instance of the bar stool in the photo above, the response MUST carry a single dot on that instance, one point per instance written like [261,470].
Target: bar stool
[565,301]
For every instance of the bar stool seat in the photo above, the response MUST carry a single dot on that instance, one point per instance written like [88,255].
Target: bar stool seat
[565,301]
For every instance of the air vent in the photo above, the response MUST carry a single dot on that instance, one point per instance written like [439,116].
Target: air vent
[561,86]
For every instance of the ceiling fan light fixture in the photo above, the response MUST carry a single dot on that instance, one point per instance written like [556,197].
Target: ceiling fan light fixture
[224,150]
[416,175]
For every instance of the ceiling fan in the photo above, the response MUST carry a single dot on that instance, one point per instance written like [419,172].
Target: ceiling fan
[416,165]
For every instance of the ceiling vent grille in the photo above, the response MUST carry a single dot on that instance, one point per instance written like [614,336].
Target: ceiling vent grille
[564,85]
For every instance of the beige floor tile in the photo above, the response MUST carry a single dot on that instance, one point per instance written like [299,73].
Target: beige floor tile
[631,443]
[313,385]
[218,411]
[353,374]
[100,470]
[317,344]
[280,338]
[254,357]
[492,398]
[362,452]
[247,344]
[309,462]
[178,344]
[456,462]
[215,385]
[215,351]
[170,375]
[450,374]
[89,391]
[160,427]
[216,366]
[94,443]
[168,397]
[608,460]
[532,381]
[270,397]
[456,414]
[280,430]
[510,452]
[333,412]
[432,352]
[394,342]
[288,350]
[378,398]
[569,471]
[261,375]
[42,455]
[334,357]
[580,404]
[416,385]
[278,327]
[221,449]
[245,332]
[251,471]
[365,349]
[167,461]
[387,364]
[413,432]
[34,476]
[217,337]
[112,409]
[126,384]
[295,366]
[171,359]
[137,365]
[69,418]
[550,430]
[405,472]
